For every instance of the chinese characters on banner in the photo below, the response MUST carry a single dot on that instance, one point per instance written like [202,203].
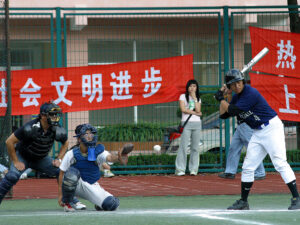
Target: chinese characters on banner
[281,92]
[283,55]
[98,87]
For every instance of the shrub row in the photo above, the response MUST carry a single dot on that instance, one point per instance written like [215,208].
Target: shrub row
[207,158]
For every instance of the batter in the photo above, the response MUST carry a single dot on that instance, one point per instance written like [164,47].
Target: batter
[268,135]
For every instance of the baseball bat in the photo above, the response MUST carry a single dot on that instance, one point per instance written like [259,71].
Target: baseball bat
[256,58]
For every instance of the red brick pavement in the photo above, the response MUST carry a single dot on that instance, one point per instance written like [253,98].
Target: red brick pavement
[157,185]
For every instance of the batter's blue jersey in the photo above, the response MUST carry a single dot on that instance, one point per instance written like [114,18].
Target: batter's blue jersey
[256,110]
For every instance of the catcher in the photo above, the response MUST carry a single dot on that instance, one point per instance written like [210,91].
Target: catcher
[79,171]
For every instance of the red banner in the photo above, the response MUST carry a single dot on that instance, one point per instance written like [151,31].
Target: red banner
[284,51]
[98,87]
[282,94]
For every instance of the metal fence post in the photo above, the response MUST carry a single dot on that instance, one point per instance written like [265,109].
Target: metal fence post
[226,67]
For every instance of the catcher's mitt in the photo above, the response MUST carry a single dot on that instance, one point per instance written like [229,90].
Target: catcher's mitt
[124,151]
[127,148]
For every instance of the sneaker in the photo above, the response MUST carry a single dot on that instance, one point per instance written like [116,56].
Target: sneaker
[180,173]
[260,178]
[295,203]
[98,208]
[108,173]
[68,208]
[239,205]
[193,173]
[23,176]
[78,206]
[227,175]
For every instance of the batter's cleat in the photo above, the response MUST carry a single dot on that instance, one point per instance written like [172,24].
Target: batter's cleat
[23,176]
[78,206]
[295,203]
[260,178]
[98,208]
[227,175]
[68,208]
[239,205]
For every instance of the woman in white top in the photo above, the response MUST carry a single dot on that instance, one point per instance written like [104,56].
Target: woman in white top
[190,103]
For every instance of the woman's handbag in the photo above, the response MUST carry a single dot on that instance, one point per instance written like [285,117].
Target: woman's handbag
[181,127]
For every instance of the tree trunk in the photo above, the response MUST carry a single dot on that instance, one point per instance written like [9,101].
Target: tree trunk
[295,28]
[294,16]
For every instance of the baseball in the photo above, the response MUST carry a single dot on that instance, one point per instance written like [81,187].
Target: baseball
[156,148]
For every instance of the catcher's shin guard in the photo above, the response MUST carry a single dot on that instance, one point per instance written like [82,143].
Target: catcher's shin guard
[10,179]
[69,184]
[111,203]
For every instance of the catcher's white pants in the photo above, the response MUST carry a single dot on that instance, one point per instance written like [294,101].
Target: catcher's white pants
[269,140]
[91,192]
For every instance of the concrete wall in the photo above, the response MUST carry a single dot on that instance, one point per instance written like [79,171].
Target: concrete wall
[143,3]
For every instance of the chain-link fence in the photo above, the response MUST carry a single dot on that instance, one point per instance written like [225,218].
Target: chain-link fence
[218,38]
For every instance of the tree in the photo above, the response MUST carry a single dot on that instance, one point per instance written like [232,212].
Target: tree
[294,16]
[295,28]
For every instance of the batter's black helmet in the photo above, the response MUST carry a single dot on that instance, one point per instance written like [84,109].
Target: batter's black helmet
[232,76]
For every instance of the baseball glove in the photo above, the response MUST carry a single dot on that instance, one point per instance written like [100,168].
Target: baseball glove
[124,151]
[127,148]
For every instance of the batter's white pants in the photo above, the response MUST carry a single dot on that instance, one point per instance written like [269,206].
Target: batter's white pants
[91,192]
[270,140]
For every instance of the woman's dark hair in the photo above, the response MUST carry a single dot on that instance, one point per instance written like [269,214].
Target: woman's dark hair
[187,89]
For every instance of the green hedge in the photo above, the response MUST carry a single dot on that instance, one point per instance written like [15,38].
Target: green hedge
[164,159]
[132,132]
[207,158]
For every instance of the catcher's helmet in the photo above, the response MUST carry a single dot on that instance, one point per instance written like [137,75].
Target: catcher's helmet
[80,132]
[52,111]
[232,76]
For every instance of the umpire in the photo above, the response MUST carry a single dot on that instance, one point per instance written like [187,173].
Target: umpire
[28,146]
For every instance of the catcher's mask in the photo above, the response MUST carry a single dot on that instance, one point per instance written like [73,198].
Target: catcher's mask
[88,135]
[52,112]
[232,76]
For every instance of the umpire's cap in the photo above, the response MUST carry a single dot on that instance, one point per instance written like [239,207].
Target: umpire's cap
[233,75]
[49,107]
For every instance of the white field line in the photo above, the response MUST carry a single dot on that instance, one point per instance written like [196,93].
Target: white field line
[205,213]
[238,221]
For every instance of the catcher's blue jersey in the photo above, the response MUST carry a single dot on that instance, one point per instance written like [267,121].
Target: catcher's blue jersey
[89,170]
[256,110]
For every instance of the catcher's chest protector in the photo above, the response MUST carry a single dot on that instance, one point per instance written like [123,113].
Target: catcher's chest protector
[89,170]
[40,144]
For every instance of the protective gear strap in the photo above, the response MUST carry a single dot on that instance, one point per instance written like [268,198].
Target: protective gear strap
[234,110]
[61,135]
[111,203]
[10,179]
[69,184]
